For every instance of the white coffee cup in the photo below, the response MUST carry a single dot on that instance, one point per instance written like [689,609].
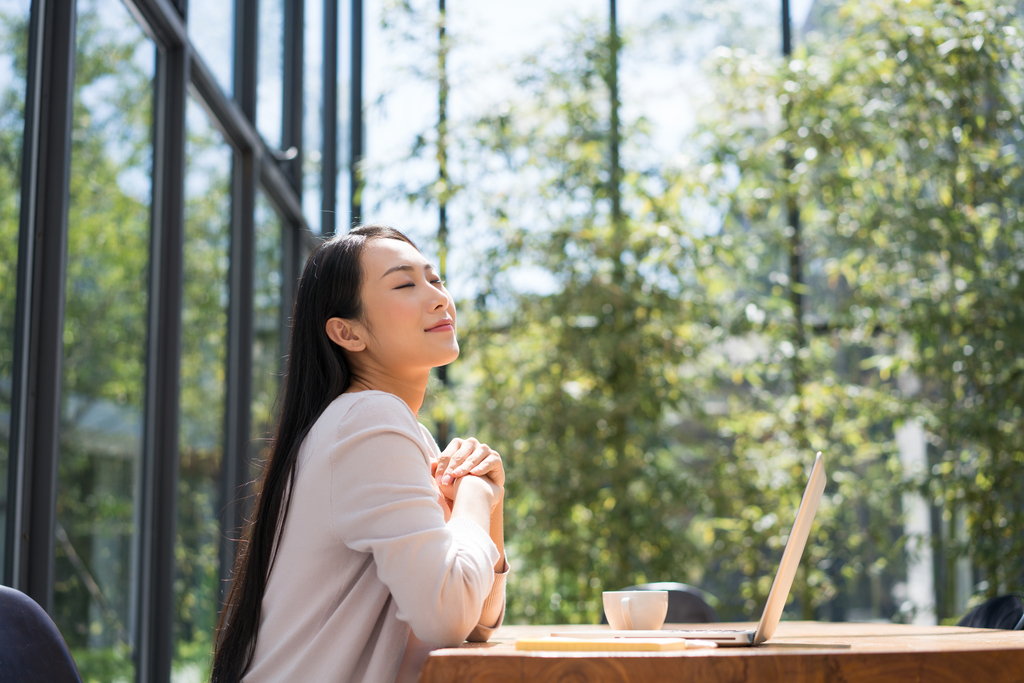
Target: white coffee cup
[629,610]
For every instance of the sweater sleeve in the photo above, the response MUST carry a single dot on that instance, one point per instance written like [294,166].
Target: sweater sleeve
[382,503]
[493,612]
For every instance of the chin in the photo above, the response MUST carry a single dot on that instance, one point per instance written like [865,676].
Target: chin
[449,357]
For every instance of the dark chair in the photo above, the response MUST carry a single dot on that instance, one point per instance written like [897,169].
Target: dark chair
[31,648]
[686,604]
[1005,612]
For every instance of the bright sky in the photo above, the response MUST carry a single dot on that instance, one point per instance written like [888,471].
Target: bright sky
[13,9]
[659,75]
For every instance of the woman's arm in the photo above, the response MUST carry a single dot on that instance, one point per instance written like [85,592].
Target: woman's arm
[464,457]
[493,610]
[461,459]
[469,503]
[475,499]
[383,504]
[484,507]
[497,532]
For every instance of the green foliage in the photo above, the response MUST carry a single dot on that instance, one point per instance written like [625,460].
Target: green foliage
[656,397]
[104,341]
[586,390]
[905,139]
[13,42]
[267,333]
[114,665]
[108,235]
[202,394]
[643,373]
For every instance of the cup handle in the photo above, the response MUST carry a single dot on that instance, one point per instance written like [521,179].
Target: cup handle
[627,618]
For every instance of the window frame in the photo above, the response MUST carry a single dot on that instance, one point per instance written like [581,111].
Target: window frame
[28,559]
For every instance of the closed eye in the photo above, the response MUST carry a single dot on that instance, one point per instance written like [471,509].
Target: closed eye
[437,282]
[408,284]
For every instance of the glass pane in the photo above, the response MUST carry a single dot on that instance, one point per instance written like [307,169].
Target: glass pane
[13,51]
[267,328]
[269,72]
[313,114]
[104,339]
[211,28]
[202,398]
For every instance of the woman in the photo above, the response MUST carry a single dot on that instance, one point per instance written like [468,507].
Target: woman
[367,545]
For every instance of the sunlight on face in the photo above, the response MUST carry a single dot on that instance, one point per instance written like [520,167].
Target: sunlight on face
[409,314]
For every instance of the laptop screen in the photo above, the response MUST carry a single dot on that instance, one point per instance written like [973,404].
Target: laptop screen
[779,592]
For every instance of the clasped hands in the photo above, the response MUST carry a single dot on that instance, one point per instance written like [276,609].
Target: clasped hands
[467,457]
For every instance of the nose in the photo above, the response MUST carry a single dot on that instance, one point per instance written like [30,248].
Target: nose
[440,300]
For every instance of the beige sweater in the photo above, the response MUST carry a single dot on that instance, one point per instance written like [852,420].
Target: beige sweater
[365,554]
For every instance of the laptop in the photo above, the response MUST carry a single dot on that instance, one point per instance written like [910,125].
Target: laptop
[776,596]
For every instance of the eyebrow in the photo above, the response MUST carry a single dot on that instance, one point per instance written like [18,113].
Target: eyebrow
[404,266]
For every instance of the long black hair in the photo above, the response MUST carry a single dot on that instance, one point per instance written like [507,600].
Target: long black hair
[317,372]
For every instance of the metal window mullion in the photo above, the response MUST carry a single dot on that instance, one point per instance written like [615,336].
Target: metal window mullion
[244,175]
[162,20]
[157,500]
[246,55]
[329,166]
[356,114]
[225,113]
[39,312]
[228,115]
[280,191]
[787,29]
[292,95]
[235,471]
[294,116]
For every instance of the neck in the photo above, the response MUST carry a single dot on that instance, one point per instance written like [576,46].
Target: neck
[410,388]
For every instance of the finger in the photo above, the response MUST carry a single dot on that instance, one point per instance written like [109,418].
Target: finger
[492,468]
[464,451]
[445,458]
[489,461]
[473,459]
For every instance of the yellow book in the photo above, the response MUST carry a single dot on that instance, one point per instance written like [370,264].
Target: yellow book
[612,644]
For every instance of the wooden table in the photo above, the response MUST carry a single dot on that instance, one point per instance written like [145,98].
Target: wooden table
[800,651]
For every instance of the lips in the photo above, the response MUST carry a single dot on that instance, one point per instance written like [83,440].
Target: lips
[443,326]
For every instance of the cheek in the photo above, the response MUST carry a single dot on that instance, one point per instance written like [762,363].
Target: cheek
[402,311]
[390,321]
[397,313]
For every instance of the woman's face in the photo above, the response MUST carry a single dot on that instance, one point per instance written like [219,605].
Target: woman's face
[408,316]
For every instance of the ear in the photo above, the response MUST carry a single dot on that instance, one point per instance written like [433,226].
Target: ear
[346,334]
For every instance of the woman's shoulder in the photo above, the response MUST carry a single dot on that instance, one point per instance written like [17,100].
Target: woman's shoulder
[371,409]
[365,424]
